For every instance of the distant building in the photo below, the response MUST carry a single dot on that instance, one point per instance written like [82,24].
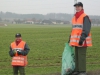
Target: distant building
[13,22]
[38,21]
[46,22]
[29,22]
[54,22]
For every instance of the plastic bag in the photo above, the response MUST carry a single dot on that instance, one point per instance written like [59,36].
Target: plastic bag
[68,63]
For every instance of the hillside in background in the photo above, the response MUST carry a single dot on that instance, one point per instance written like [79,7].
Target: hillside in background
[56,16]
[50,18]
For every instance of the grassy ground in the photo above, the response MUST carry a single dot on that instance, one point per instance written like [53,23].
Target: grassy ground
[46,43]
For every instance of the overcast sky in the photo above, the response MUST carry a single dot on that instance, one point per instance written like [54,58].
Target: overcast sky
[91,7]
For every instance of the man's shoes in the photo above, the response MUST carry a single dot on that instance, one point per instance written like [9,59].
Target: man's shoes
[82,73]
[79,73]
[76,73]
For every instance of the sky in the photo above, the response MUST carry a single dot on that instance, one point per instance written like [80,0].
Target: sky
[91,7]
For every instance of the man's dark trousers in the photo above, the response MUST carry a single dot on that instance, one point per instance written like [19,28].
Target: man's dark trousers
[80,59]
[21,70]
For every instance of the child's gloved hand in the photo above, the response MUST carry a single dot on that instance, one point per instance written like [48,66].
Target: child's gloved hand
[14,52]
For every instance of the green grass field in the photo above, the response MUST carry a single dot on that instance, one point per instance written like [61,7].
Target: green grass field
[47,44]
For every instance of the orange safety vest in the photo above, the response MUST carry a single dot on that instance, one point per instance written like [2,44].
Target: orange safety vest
[77,28]
[18,60]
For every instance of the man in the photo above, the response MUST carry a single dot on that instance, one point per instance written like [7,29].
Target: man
[80,38]
[18,51]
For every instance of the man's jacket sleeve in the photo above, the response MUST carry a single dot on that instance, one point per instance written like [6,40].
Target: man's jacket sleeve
[86,28]
[26,50]
[11,52]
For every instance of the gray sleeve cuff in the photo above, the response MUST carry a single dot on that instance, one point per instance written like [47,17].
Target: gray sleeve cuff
[86,28]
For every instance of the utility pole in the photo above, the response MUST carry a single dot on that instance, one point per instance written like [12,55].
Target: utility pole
[75,1]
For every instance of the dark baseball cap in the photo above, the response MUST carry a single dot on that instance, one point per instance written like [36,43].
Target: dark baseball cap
[18,35]
[78,4]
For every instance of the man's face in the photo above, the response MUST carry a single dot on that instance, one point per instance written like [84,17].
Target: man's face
[78,8]
[18,38]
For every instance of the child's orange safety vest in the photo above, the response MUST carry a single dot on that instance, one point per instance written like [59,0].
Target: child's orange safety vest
[18,60]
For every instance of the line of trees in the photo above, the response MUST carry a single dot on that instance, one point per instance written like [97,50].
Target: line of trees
[37,18]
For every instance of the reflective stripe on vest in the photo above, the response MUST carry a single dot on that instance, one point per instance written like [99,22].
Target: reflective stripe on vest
[18,60]
[77,26]
[78,41]
[75,36]
[77,29]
